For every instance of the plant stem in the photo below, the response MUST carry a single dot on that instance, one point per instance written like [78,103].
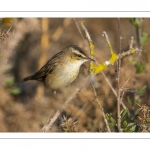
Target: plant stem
[118,80]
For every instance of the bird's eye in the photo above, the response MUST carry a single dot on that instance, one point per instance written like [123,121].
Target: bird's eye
[79,56]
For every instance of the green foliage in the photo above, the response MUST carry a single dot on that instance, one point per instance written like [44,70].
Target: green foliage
[135,22]
[111,121]
[131,127]
[124,114]
[141,90]
[10,81]
[140,66]
[11,88]
[144,38]
[125,125]
[15,91]
[141,114]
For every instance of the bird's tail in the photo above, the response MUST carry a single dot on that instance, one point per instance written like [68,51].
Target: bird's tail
[33,77]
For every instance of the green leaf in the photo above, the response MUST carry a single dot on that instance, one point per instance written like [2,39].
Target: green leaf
[112,120]
[132,128]
[125,124]
[132,60]
[15,91]
[141,91]
[10,81]
[107,116]
[140,67]
[123,114]
[144,38]
[135,22]
[130,125]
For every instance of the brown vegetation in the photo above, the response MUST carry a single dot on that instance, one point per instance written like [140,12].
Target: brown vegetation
[26,45]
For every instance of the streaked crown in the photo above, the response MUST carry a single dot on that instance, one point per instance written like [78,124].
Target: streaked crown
[76,53]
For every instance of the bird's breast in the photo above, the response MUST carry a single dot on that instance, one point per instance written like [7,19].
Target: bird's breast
[63,75]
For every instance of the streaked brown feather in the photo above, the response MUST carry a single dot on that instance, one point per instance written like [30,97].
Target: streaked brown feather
[45,70]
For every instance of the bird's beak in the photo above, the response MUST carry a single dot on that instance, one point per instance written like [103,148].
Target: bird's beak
[90,59]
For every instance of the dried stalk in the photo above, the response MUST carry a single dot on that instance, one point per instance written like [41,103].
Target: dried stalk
[79,30]
[47,127]
[118,81]
[112,60]
[101,108]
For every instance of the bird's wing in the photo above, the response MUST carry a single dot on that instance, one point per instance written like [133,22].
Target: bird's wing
[44,71]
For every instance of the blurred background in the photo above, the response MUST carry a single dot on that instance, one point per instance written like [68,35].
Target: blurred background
[26,44]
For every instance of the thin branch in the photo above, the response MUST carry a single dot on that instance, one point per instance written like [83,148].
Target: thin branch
[118,81]
[85,42]
[138,37]
[79,29]
[104,34]
[101,108]
[125,83]
[79,112]
[123,91]
[123,105]
[89,41]
[47,127]
[119,56]
[131,43]
[9,30]
[107,40]
[107,63]
[109,84]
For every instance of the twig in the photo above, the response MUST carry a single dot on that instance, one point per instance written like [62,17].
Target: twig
[111,60]
[79,112]
[109,84]
[9,30]
[123,91]
[89,40]
[131,43]
[101,108]
[123,105]
[111,50]
[47,127]
[85,42]
[138,37]
[118,81]
[97,62]
[107,40]
[79,29]
[106,64]
[119,56]
[125,83]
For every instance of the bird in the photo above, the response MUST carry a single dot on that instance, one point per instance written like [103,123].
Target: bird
[62,69]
